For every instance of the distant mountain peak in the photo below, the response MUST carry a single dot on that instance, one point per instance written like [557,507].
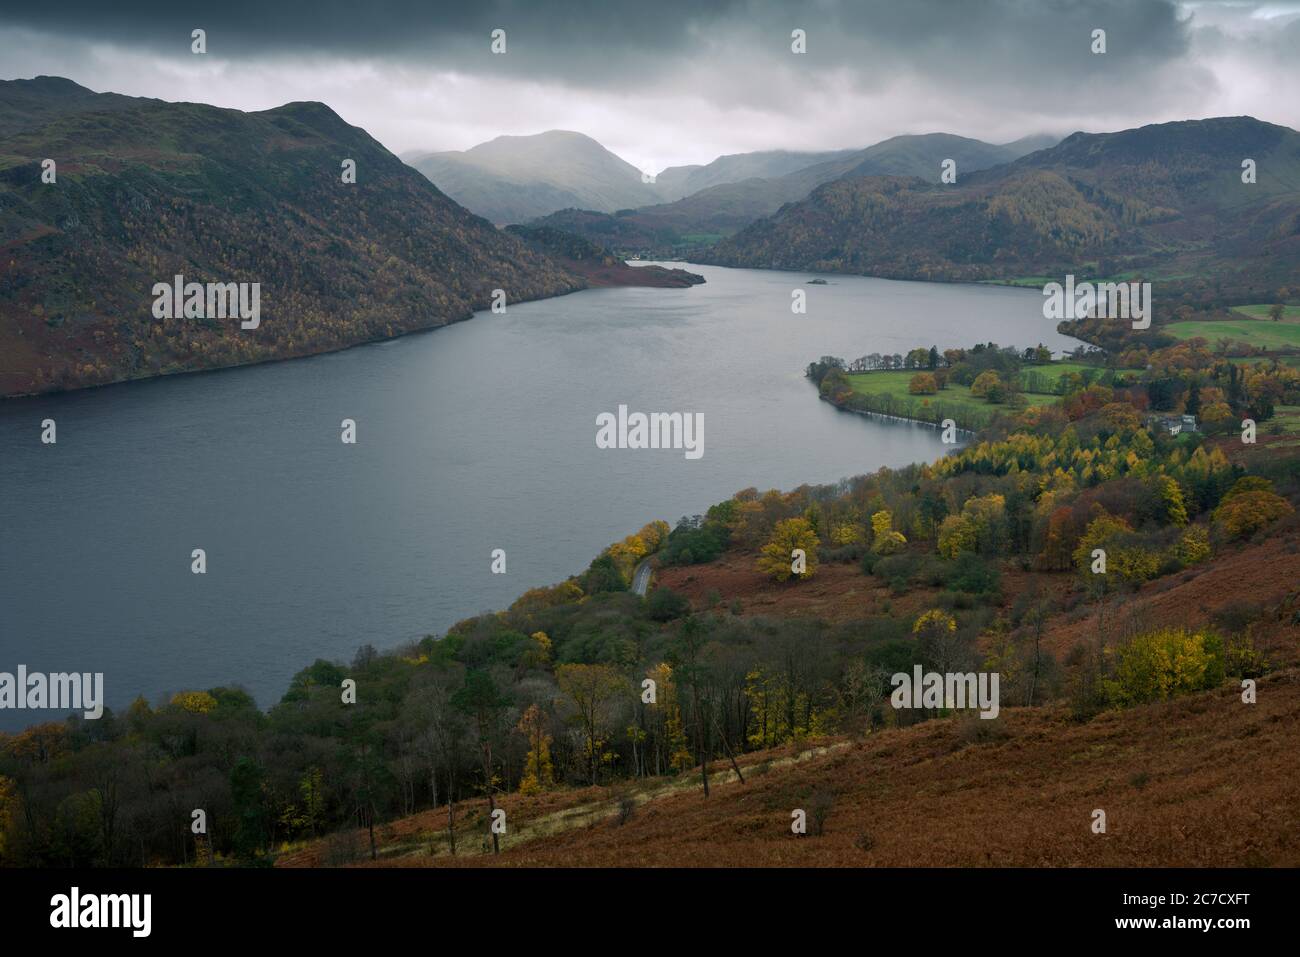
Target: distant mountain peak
[50,85]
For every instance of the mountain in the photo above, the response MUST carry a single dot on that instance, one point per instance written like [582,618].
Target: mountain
[922,155]
[27,103]
[677,229]
[1031,144]
[1166,201]
[678,182]
[147,190]
[518,179]
[512,179]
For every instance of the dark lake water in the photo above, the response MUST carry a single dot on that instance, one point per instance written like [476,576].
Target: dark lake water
[471,438]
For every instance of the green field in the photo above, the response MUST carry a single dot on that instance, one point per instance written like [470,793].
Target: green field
[1286,418]
[1292,361]
[1260,311]
[956,401]
[1255,332]
[1050,375]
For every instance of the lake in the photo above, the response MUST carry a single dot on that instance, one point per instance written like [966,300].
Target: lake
[470,438]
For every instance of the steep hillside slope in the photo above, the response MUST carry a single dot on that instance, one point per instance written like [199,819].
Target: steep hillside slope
[1221,792]
[148,190]
[1202,779]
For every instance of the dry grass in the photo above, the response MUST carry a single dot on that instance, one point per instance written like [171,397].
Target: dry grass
[1203,780]
[1200,781]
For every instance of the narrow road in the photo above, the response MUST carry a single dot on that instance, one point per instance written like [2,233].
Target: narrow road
[641,578]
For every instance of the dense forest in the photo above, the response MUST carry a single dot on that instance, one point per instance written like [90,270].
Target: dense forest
[979,555]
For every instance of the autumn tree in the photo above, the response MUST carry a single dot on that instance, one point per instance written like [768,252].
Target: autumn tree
[885,541]
[778,556]
[957,534]
[672,743]
[923,383]
[1164,663]
[1247,512]
[592,689]
[194,702]
[936,637]
[1216,417]
[538,772]
[989,385]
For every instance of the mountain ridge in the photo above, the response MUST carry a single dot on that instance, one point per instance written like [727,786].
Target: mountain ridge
[675,230]
[146,190]
[1165,200]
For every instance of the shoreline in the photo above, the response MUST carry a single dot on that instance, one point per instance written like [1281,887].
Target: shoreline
[886,417]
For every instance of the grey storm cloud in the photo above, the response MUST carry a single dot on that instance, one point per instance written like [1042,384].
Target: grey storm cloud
[684,80]
[607,43]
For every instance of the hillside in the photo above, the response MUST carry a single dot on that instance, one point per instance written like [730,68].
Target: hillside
[147,190]
[679,229]
[31,103]
[1164,201]
[513,179]
[1219,792]
[1222,792]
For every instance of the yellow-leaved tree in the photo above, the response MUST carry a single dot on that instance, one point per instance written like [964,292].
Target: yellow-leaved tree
[1164,663]
[672,746]
[937,640]
[957,534]
[885,541]
[1249,506]
[792,550]
[539,775]
[195,702]
[592,690]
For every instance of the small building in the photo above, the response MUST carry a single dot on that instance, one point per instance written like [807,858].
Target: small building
[1173,424]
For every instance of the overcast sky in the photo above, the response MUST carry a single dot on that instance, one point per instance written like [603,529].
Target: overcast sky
[668,82]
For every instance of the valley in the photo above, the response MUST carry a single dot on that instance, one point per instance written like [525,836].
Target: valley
[1106,554]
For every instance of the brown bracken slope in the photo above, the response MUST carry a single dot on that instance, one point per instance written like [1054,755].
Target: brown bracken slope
[1202,780]
[1199,781]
